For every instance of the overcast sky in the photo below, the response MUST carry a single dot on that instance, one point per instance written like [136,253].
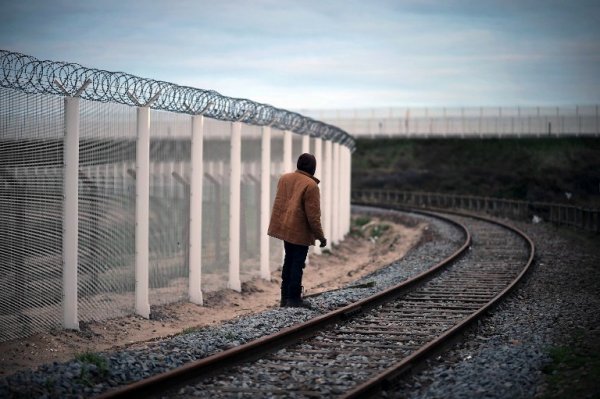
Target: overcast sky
[330,54]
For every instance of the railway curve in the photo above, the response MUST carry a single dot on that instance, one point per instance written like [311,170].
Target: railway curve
[359,349]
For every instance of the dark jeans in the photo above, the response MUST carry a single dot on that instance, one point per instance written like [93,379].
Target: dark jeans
[291,275]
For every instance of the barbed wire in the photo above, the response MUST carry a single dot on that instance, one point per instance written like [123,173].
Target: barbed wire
[30,75]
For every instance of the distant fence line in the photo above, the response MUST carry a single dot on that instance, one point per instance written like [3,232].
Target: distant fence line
[569,215]
[33,76]
[484,122]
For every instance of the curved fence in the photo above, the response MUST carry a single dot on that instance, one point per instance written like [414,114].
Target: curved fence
[33,76]
[118,193]
[569,215]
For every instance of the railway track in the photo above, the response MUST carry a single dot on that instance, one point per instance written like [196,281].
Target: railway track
[359,349]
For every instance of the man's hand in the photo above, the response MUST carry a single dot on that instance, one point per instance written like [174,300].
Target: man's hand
[323,243]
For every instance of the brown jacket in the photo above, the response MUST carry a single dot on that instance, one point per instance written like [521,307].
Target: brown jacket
[296,215]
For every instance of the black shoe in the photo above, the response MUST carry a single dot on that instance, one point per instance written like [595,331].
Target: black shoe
[298,303]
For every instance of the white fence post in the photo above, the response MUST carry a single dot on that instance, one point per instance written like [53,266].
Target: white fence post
[305,143]
[142,212]
[195,236]
[319,157]
[336,194]
[288,166]
[234,207]
[328,188]
[349,189]
[265,202]
[306,149]
[71,213]
[71,205]
[344,192]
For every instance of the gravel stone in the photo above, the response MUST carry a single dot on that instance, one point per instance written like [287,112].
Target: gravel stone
[502,357]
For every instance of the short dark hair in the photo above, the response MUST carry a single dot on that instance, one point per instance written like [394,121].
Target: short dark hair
[307,163]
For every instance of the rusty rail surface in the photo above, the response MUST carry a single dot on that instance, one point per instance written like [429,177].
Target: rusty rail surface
[276,340]
[422,299]
[386,378]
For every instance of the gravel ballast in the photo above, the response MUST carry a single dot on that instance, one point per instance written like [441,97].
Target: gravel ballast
[502,357]
[558,304]
[84,379]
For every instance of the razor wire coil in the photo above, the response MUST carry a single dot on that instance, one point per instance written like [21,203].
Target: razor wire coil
[31,75]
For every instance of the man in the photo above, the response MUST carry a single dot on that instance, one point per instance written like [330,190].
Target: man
[296,219]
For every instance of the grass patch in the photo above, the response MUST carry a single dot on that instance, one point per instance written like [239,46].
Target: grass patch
[93,358]
[364,226]
[357,226]
[572,373]
[189,330]
[50,384]
[540,169]
[378,230]
[92,375]
[360,221]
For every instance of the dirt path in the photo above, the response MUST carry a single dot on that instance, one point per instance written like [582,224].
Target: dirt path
[367,248]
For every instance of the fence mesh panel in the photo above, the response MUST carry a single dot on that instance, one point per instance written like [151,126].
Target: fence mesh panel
[170,141]
[250,203]
[31,170]
[275,245]
[31,199]
[107,145]
[215,207]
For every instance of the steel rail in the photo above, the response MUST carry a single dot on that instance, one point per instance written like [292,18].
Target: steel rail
[386,378]
[270,343]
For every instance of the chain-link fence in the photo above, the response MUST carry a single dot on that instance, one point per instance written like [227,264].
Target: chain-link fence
[103,247]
